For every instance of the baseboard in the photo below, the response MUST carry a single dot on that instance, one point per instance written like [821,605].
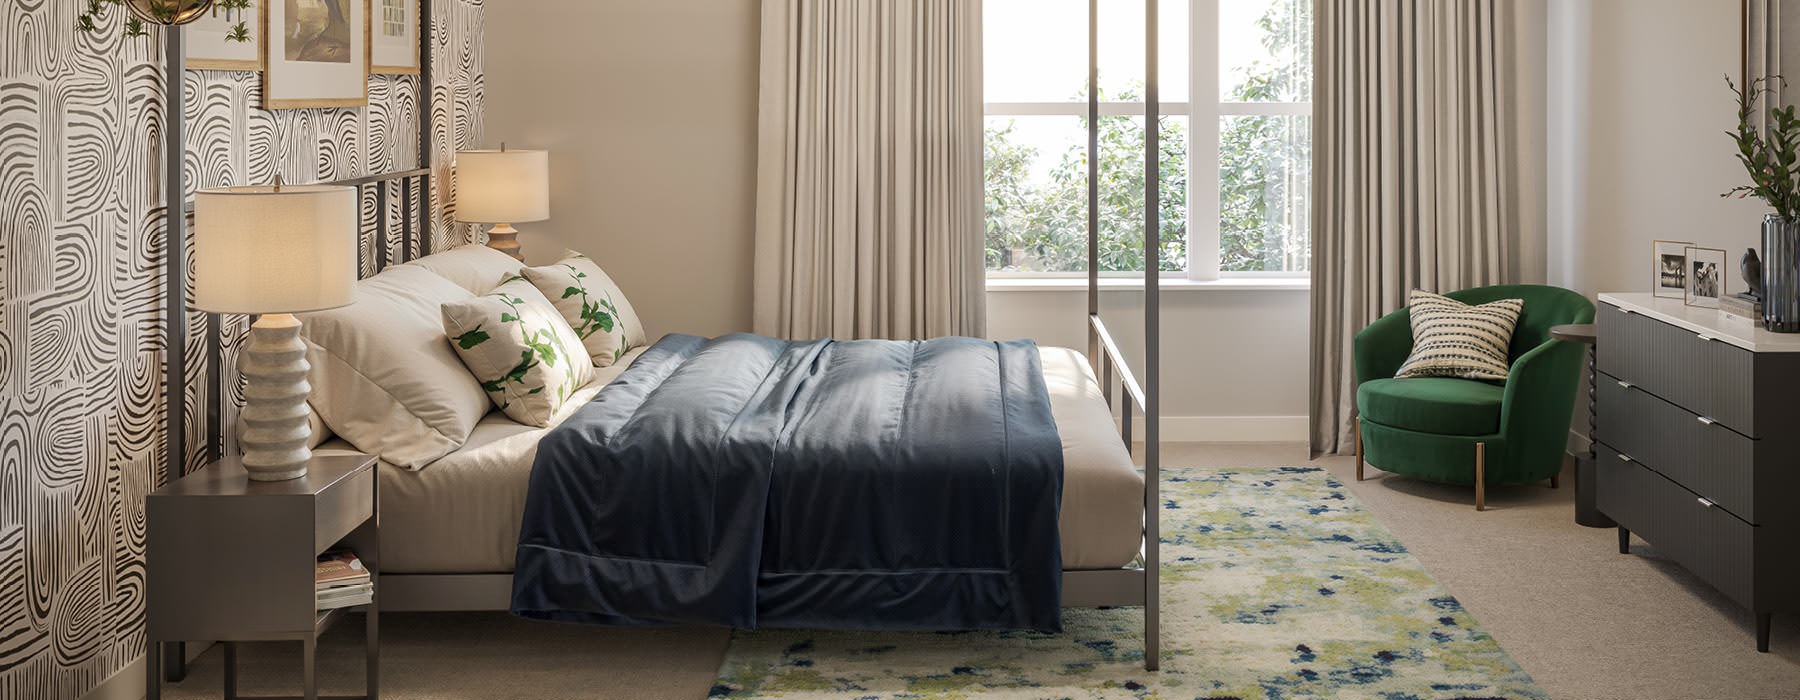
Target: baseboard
[128,682]
[1227,429]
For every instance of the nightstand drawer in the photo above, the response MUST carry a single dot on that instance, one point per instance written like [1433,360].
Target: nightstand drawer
[1709,377]
[1708,541]
[1696,452]
[343,507]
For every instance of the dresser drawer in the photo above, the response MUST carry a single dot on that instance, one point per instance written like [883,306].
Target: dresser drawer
[1701,455]
[1708,541]
[1708,377]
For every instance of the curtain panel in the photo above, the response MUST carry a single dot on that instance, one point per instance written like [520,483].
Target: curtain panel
[1416,171]
[869,207]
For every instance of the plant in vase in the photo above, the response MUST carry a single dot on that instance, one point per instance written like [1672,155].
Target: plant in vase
[1771,156]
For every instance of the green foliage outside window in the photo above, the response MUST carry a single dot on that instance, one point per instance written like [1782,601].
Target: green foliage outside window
[1264,178]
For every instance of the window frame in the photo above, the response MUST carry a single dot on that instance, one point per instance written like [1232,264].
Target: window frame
[1203,148]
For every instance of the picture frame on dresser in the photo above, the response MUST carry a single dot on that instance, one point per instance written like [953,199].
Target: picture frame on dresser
[1706,277]
[1668,268]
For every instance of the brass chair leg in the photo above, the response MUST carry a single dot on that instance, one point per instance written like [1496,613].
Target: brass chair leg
[1359,450]
[1480,476]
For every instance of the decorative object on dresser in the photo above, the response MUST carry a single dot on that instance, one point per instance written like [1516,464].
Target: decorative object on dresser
[232,559]
[1765,138]
[1668,262]
[1696,445]
[1465,431]
[503,187]
[316,55]
[1705,277]
[275,251]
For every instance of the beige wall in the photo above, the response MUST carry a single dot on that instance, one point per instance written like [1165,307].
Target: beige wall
[649,112]
[1638,109]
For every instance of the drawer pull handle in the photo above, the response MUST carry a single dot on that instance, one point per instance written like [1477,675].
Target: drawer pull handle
[1624,457]
[1628,311]
[1706,503]
[1705,421]
[1625,384]
[1704,336]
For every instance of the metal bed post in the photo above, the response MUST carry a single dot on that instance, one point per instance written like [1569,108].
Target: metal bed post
[1152,316]
[1093,199]
[174,296]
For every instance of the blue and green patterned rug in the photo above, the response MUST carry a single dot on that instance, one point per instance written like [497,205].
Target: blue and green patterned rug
[1276,584]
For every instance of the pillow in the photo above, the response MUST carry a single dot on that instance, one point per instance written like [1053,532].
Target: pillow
[525,355]
[593,305]
[1453,339]
[383,376]
[476,268]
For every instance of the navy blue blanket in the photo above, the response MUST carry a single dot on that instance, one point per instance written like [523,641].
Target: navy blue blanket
[748,481]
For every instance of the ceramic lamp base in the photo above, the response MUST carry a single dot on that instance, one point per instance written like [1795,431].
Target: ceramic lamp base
[505,238]
[275,367]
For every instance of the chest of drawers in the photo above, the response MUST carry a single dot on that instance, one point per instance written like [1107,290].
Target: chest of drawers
[1698,445]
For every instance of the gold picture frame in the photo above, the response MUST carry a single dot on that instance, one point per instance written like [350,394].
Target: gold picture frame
[1668,269]
[394,28]
[208,48]
[1706,278]
[319,56]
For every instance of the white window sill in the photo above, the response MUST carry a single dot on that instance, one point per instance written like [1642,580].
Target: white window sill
[1168,284]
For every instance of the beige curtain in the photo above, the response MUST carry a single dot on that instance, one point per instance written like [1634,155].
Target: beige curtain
[1416,169]
[869,209]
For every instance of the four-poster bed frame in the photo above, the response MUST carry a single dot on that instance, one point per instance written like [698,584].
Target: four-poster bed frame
[1130,586]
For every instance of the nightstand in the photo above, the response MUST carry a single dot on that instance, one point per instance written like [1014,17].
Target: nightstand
[231,560]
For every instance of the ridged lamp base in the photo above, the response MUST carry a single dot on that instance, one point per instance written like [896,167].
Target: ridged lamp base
[276,433]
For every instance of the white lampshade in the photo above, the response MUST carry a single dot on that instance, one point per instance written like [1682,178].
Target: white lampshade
[506,186]
[266,250]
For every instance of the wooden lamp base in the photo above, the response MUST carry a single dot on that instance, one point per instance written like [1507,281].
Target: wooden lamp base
[505,238]
[275,413]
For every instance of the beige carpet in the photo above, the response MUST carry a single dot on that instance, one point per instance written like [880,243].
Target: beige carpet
[1585,622]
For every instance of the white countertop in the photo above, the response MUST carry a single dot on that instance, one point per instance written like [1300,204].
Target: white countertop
[1710,323]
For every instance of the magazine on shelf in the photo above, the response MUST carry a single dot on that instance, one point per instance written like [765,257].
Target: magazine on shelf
[339,567]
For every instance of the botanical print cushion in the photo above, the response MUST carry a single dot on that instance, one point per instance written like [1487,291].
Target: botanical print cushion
[593,306]
[1453,339]
[526,357]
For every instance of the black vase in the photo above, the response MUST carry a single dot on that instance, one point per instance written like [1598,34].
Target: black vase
[1781,274]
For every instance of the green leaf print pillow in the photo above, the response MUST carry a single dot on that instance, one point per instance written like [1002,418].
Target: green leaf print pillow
[592,305]
[519,348]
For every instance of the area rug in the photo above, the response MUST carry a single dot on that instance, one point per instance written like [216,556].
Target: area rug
[1276,584]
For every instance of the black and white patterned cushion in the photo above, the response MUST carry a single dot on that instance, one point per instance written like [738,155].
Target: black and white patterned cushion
[1453,339]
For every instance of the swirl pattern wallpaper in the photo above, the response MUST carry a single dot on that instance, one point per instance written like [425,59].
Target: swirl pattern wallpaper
[82,328]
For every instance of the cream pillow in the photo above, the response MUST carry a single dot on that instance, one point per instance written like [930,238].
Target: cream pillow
[476,268]
[592,304]
[1453,339]
[525,355]
[383,376]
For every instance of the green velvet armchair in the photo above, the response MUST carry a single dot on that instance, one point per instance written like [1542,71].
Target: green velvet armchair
[1464,431]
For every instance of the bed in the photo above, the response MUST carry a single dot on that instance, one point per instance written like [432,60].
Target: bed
[450,530]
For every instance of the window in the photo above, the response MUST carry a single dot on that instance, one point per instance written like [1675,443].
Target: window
[1236,164]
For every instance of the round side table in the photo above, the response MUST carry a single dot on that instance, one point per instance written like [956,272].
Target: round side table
[1586,512]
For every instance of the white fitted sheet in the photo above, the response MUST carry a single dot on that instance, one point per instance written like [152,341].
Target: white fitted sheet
[461,513]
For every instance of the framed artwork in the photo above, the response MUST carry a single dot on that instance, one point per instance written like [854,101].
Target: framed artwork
[1669,268]
[1706,277]
[316,53]
[211,46]
[394,36]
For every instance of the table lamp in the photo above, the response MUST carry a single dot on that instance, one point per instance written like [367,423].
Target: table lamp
[275,251]
[502,187]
